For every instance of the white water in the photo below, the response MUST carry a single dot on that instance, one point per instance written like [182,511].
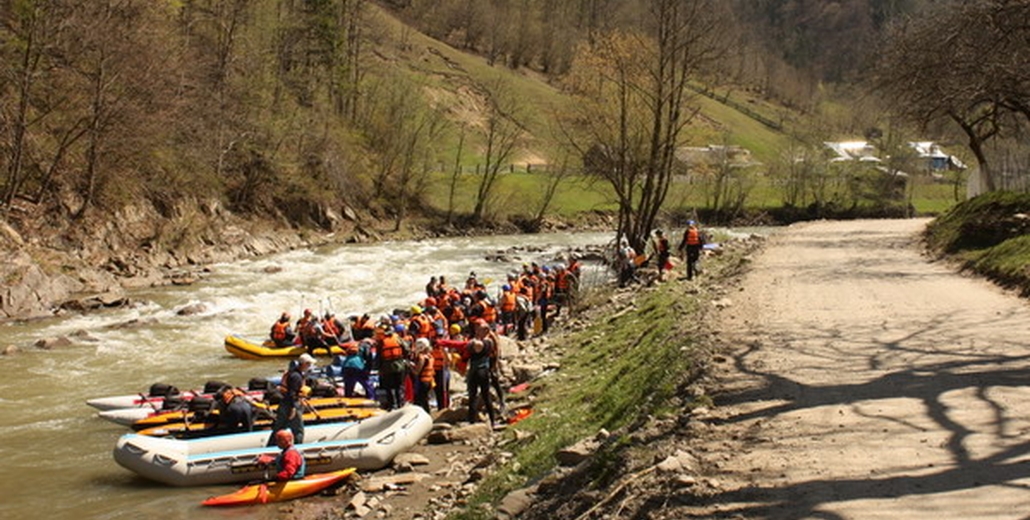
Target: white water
[55,455]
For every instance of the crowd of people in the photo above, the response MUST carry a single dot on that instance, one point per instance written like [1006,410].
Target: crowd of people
[411,354]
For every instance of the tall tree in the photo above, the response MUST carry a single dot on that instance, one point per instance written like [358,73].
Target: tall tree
[502,133]
[635,104]
[960,63]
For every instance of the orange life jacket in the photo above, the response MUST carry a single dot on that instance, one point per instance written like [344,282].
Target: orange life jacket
[391,349]
[562,281]
[508,301]
[427,373]
[439,356]
[230,394]
[330,328]
[693,237]
[279,330]
[489,312]
[425,326]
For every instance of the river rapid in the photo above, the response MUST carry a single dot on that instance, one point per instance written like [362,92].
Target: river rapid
[56,454]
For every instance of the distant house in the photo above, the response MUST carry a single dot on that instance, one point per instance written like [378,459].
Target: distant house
[860,151]
[935,159]
[715,155]
[932,158]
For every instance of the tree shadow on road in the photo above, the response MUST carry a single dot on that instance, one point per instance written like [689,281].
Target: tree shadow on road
[912,367]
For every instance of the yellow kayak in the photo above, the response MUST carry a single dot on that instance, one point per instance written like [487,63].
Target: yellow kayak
[280,491]
[254,350]
[186,430]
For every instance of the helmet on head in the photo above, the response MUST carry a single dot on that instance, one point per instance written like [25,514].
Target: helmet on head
[415,309]
[691,223]
[455,328]
[399,328]
[430,302]
[284,436]
[506,287]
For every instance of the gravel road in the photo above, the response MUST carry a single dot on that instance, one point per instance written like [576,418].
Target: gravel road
[865,381]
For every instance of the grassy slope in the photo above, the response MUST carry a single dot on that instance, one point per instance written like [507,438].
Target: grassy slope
[990,235]
[633,360]
[448,73]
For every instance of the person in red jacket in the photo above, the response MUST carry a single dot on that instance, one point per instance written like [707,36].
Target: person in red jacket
[290,464]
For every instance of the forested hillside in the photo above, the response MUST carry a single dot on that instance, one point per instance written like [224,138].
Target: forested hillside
[150,125]
[285,108]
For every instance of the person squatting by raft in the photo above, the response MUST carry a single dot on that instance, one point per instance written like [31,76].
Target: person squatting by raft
[410,356]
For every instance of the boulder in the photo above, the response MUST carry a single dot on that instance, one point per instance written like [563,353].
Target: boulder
[193,309]
[514,503]
[52,343]
[577,453]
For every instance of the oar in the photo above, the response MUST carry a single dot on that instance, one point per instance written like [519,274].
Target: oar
[307,405]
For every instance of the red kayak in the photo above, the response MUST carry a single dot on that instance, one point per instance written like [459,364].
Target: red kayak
[280,491]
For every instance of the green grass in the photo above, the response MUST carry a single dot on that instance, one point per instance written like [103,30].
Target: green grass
[624,368]
[521,193]
[990,235]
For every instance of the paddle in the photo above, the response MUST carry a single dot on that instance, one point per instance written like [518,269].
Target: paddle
[307,405]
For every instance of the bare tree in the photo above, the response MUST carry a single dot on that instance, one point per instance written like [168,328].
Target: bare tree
[961,62]
[502,134]
[635,104]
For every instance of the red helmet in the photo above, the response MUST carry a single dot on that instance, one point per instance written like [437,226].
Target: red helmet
[284,436]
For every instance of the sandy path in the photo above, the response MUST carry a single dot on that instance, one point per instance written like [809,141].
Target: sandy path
[866,382]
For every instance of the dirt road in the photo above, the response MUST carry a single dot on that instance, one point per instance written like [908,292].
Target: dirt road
[868,382]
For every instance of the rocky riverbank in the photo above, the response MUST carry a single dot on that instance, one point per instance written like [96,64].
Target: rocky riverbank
[475,472]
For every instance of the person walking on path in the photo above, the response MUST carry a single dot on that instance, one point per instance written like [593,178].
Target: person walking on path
[692,244]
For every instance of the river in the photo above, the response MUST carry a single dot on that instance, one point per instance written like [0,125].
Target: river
[56,454]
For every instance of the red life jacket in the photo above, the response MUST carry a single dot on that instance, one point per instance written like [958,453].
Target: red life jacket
[330,328]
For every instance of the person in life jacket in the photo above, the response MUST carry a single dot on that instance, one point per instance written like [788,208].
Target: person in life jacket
[393,366]
[302,323]
[315,336]
[508,305]
[290,413]
[477,357]
[692,244]
[442,368]
[484,333]
[420,325]
[661,251]
[235,411]
[356,363]
[290,463]
[424,371]
[282,333]
[363,327]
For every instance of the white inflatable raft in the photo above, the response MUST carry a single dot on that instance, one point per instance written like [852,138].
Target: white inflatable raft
[366,445]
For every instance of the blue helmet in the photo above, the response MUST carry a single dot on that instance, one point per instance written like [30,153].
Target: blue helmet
[399,328]
[506,287]
[691,223]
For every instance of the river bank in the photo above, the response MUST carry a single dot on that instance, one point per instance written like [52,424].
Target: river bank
[52,268]
[610,375]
